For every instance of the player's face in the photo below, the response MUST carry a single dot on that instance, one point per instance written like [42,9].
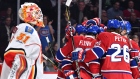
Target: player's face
[123,32]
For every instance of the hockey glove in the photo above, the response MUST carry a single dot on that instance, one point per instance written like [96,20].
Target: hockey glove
[70,31]
[78,55]
[70,74]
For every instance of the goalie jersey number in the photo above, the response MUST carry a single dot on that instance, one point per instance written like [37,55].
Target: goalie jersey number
[23,37]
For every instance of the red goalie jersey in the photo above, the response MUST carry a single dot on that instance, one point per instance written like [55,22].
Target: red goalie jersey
[114,50]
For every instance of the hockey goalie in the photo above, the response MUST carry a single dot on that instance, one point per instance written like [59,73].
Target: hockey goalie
[23,56]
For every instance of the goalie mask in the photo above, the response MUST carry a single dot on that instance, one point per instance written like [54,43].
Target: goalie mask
[31,13]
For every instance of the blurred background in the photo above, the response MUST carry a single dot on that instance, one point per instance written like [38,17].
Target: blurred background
[55,20]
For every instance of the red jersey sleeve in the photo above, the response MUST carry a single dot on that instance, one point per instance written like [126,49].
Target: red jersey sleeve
[98,50]
[64,51]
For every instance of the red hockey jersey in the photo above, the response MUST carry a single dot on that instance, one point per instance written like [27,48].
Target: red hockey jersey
[64,54]
[114,49]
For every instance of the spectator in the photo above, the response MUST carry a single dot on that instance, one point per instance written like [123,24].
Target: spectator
[78,13]
[4,36]
[93,11]
[8,13]
[136,39]
[134,21]
[104,17]
[47,31]
[129,10]
[114,12]
[84,19]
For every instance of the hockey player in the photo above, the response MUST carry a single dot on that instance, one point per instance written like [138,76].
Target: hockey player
[125,30]
[114,49]
[84,42]
[23,56]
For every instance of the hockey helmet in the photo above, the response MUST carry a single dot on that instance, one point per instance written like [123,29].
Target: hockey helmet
[80,29]
[93,29]
[31,13]
[113,23]
[125,25]
[101,29]
[98,20]
[91,22]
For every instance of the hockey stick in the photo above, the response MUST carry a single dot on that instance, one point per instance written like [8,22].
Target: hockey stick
[68,14]
[127,36]
[46,58]
[50,47]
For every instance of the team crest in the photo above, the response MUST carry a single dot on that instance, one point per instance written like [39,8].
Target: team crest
[44,32]
[29,29]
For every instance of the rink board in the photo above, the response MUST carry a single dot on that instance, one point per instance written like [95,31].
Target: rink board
[50,75]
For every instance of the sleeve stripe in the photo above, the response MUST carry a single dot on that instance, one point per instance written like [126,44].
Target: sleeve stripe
[133,63]
[94,62]
[65,65]
[64,62]
[134,66]
[95,54]
[59,55]
[62,53]
[98,51]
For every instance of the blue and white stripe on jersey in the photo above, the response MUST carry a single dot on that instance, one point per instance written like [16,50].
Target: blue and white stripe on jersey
[66,62]
[95,61]
[133,63]
[98,51]
[59,55]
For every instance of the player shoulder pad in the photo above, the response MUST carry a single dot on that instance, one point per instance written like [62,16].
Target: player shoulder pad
[25,27]
[104,35]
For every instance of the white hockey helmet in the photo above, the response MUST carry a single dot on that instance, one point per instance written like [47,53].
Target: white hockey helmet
[31,13]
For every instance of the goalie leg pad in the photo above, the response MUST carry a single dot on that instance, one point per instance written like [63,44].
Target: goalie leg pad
[21,67]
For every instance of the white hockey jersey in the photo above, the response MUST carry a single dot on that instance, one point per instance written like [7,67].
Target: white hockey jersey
[24,40]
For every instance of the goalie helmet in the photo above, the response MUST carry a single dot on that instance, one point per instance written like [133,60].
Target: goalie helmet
[31,13]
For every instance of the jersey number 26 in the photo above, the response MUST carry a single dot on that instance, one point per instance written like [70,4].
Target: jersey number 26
[115,56]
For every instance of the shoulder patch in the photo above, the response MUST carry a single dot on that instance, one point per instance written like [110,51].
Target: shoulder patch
[29,29]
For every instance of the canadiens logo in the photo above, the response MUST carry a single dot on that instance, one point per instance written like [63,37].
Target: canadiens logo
[44,32]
